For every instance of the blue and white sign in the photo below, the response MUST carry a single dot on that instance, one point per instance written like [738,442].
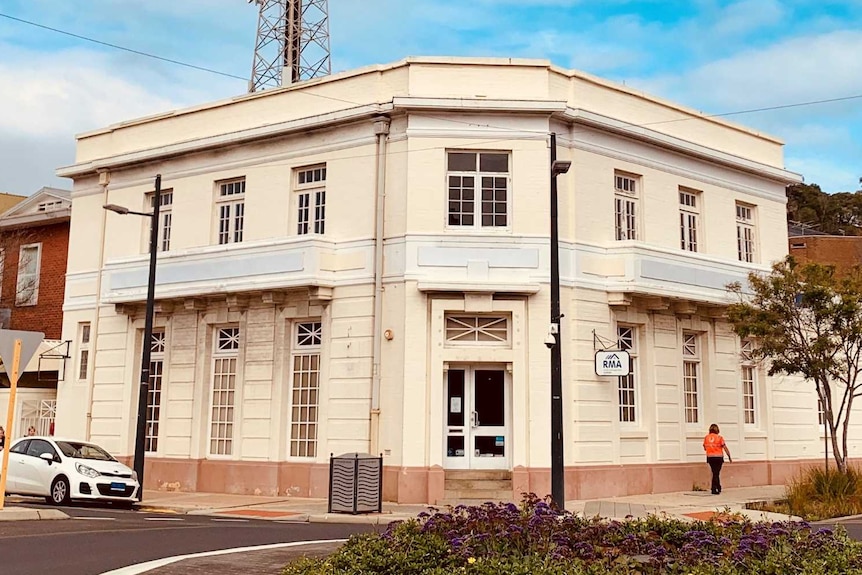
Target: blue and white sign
[612,363]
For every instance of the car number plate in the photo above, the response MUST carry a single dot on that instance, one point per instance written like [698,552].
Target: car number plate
[118,486]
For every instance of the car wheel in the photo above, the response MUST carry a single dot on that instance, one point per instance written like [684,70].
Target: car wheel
[59,492]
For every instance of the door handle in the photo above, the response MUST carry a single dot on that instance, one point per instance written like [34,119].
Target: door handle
[474,419]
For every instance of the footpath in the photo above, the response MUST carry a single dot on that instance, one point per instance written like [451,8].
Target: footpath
[269,559]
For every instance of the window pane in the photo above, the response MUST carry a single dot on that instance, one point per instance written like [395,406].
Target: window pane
[494,163]
[462,162]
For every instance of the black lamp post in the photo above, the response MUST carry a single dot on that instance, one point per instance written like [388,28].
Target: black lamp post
[554,340]
[141,433]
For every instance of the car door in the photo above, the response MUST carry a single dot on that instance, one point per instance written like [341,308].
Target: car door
[36,473]
[16,453]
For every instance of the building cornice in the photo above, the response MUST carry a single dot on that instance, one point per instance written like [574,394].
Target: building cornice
[644,134]
[223,140]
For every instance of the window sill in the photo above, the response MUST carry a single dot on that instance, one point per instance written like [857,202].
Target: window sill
[633,434]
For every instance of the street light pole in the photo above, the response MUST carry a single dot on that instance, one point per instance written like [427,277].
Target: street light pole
[558,487]
[143,392]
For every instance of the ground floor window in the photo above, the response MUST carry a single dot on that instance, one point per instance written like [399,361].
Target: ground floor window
[154,392]
[305,388]
[224,376]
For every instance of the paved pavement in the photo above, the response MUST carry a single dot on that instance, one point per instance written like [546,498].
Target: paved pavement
[270,559]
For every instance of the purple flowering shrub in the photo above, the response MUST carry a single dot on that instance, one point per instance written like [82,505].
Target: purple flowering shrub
[536,539]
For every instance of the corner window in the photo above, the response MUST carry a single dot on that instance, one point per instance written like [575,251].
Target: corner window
[626,206]
[478,195]
[689,219]
[230,210]
[311,200]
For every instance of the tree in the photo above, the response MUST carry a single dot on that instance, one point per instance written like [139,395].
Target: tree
[807,320]
[839,213]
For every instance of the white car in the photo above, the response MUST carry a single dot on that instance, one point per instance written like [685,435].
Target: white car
[62,470]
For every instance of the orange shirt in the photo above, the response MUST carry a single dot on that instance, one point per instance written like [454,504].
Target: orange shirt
[713,444]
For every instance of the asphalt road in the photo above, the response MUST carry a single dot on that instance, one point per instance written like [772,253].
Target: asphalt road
[99,539]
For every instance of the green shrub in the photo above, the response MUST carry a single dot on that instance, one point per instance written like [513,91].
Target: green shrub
[817,494]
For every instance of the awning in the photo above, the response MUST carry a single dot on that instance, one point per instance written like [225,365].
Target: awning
[50,356]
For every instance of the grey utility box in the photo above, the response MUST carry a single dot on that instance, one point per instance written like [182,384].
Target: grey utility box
[355,483]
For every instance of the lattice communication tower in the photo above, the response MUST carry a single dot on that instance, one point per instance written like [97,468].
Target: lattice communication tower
[292,43]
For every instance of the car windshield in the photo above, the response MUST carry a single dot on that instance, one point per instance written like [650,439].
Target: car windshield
[77,450]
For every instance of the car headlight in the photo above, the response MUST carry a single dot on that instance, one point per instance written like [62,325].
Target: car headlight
[134,475]
[86,471]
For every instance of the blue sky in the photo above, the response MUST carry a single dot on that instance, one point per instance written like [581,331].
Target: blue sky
[712,55]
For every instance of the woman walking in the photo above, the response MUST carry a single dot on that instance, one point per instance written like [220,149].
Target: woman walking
[715,448]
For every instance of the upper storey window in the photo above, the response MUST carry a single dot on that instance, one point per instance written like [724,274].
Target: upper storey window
[745,240]
[478,189]
[689,219]
[626,206]
[311,200]
[230,206]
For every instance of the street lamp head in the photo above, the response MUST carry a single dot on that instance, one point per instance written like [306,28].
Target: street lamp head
[560,167]
[122,210]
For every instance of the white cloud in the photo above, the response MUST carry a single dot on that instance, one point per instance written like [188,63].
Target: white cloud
[58,94]
[794,70]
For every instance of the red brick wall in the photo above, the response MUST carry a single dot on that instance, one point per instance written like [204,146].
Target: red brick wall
[840,251]
[47,315]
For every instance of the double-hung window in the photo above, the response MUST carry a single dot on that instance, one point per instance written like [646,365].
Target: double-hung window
[223,397]
[745,232]
[83,350]
[311,200]
[478,189]
[626,206]
[691,356]
[230,206]
[166,202]
[29,266]
[627,340]
[305,389]
[689,216]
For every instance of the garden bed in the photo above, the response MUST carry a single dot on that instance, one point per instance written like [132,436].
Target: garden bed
[535,539]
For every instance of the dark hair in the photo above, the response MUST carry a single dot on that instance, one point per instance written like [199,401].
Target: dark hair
[713,428]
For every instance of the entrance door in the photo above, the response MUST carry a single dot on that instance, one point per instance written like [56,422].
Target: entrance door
[477,415]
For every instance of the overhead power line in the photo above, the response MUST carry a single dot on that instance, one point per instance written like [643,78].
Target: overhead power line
[123,48]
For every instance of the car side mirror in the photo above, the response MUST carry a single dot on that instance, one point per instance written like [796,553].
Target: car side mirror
[49,457]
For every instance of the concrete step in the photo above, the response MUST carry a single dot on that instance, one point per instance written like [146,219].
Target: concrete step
[490,474]
[483,494]
[465,484]
[452,502]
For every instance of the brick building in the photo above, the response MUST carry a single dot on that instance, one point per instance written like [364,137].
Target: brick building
[841,251]
[34,245]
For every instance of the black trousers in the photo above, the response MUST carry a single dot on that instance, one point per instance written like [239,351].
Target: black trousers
[715,464]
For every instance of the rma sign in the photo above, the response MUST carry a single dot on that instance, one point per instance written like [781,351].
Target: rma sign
[613,363]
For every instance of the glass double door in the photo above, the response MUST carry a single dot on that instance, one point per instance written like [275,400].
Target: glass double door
[476,419]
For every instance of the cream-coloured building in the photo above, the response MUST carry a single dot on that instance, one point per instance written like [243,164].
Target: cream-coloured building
[361,263]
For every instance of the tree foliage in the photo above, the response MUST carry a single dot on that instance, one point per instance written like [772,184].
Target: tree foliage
[807,320]
[839,213]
